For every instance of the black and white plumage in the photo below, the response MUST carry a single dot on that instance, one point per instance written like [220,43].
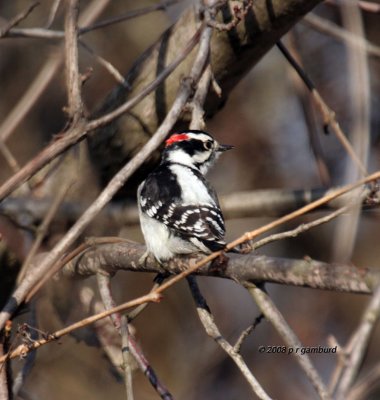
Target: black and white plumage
[179,210]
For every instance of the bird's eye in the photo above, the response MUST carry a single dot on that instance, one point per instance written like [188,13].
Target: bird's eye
[207,145]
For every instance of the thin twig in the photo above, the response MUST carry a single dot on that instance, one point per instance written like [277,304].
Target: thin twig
[107,65]
[273,315]
[239,14]
[362,335]
[350,279]
[117,181]
[80,250]
[9,157]
[128,15]
[81,129]
[212,330]
[5,371]
[364,5]
[309,114]
[328,115]
[31,356]
[26,211]
[23,349]
[250,235]
[330,28]
[300,229]
[53,13]
[197,104]
[18,18]
[366,385]
[247,332]
[104,285]
[359,109]
[41,231]
[73,82]
[44,33]
[30,96]
[44,77]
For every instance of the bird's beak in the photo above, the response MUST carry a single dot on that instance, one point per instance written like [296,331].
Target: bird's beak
[224,147]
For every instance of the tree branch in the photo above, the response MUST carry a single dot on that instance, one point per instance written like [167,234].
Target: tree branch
[126,256]
[207,320]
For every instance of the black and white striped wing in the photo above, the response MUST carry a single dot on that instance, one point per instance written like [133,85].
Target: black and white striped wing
[193,222]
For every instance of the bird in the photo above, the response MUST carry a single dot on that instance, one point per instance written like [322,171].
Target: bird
[178,208]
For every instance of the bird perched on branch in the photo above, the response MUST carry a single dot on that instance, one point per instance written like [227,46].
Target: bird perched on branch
[179,210]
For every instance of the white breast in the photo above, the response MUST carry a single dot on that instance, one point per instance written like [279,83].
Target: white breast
[193,190]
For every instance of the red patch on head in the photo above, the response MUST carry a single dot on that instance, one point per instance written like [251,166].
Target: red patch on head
[177,137]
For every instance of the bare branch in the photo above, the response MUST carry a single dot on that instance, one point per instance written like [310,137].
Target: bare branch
[330,28]
[27,210]
[366,385]
[73,82]
[45,33]
[120,323]
[23,349]
[4,393]
[197,104]
[127,256]
[44,77]
[53,13]
[273,315]
[359,108]
[360,344]
[163,5]
[106,64]
[300,229]
[30,358]
[16,20]
[116,183]
[41,231]
[329,118]
[213,331]
[81,129]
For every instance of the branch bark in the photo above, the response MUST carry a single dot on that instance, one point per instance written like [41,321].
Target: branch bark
[233,54]
[127,256]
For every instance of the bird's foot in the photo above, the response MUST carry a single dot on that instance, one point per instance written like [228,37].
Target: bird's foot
[219,263]
[144,258]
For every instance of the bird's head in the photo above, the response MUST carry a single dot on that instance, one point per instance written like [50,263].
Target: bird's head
[194,148]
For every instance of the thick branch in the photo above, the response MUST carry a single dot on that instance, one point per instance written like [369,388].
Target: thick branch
[233,54]
[306,273]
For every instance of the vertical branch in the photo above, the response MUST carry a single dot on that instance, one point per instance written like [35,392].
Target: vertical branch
[75,105]
[5,367]
[4,395]
[130,346]
[121,324]
[273,315]
[359,345]
[212,330]
[198,112]
[116,182]
[42,229]
[30,357]
[359,94]
[44,77]
[328,115]
[127,357]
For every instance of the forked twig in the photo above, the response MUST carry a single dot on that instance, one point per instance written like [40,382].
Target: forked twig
[129,345]
[329,118]
[212,330]
[273,315]
[359,340]
[18,18]
[120,178]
